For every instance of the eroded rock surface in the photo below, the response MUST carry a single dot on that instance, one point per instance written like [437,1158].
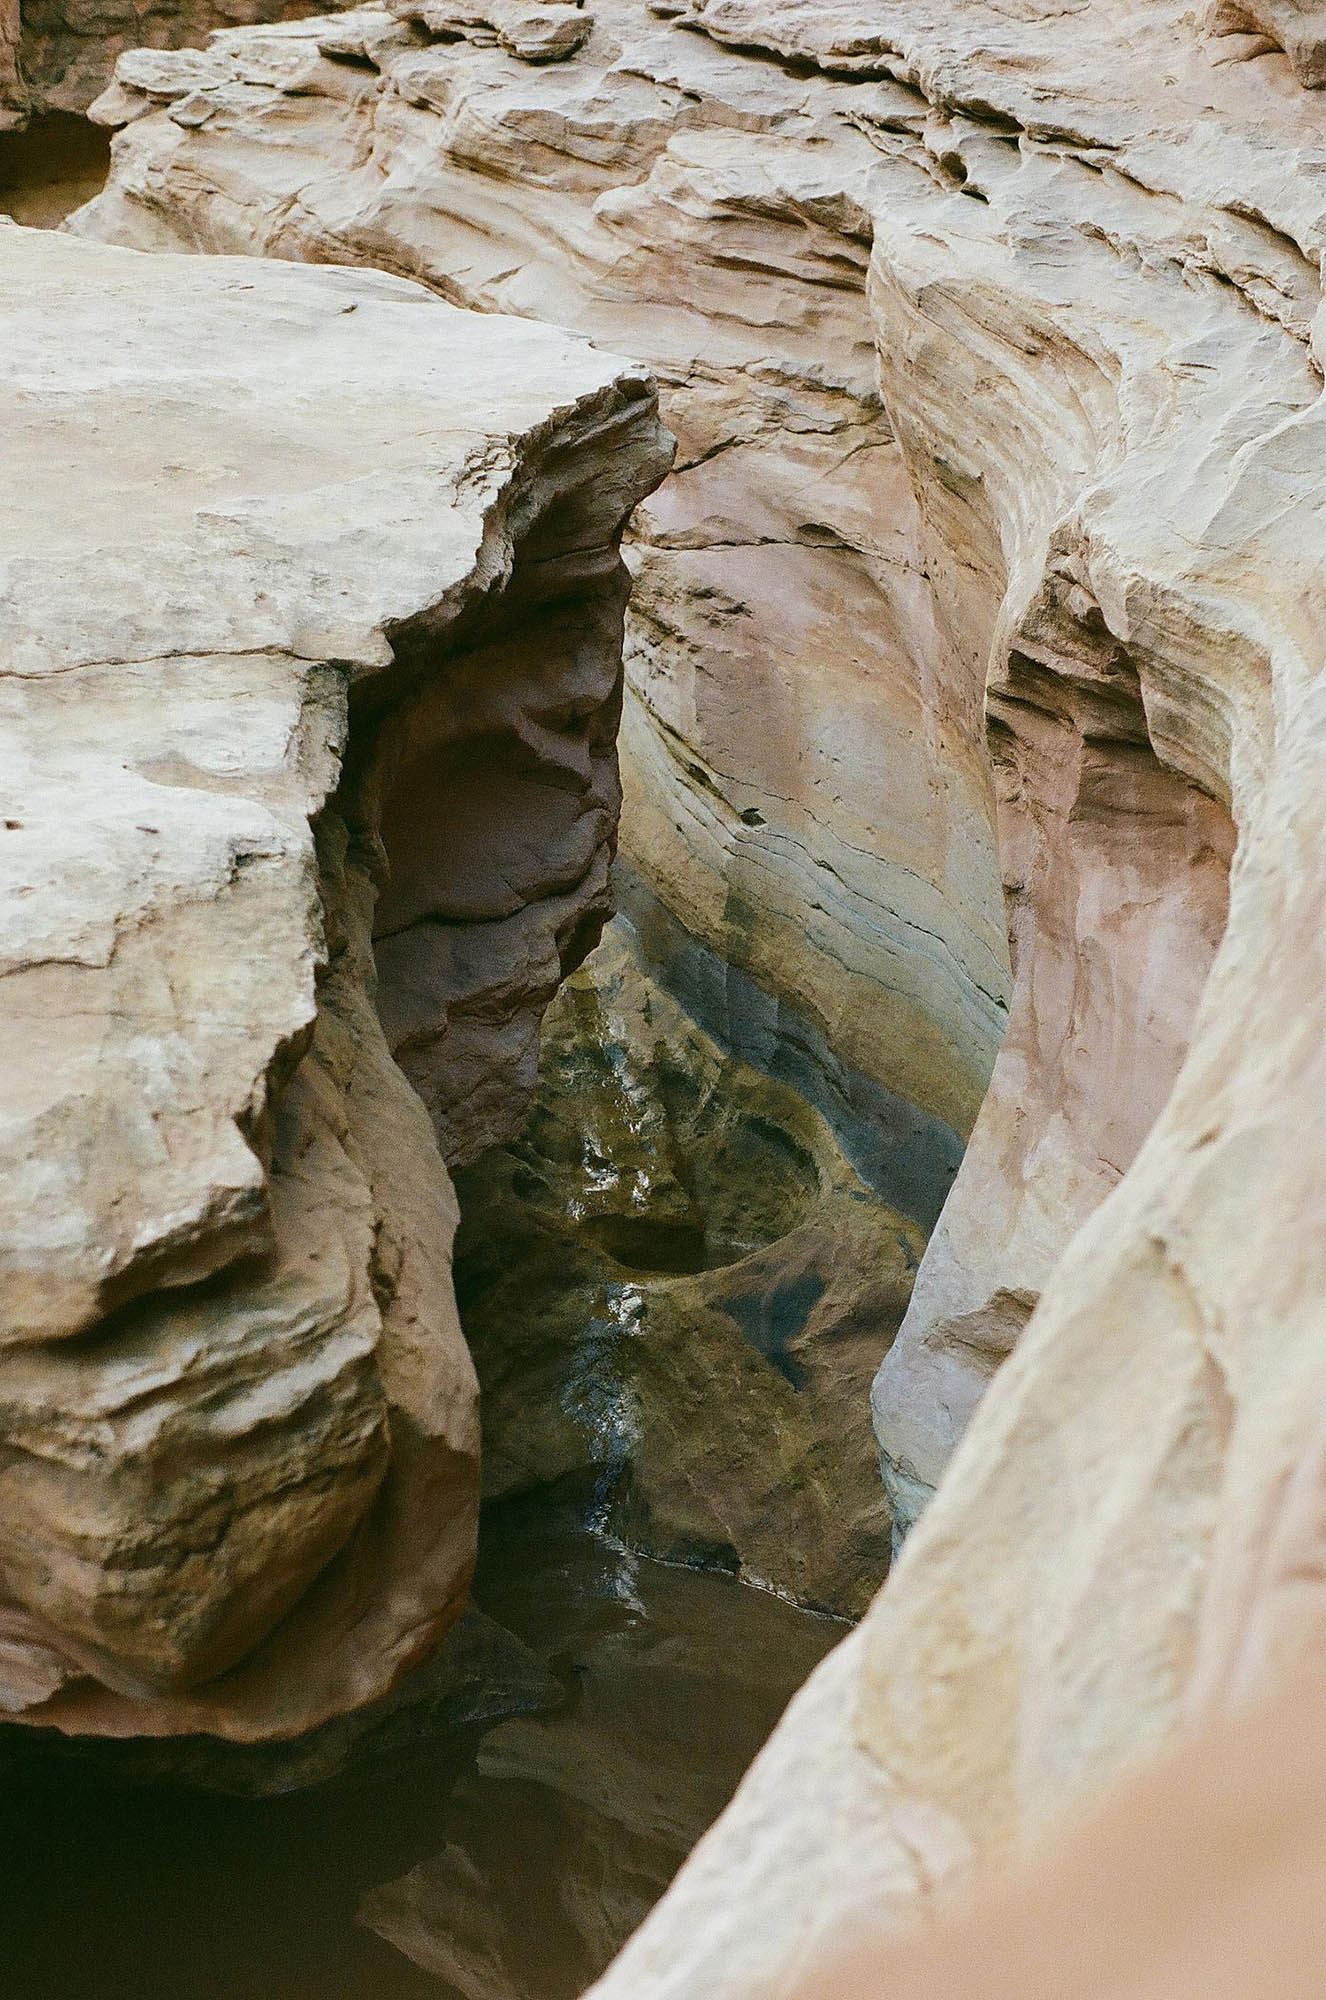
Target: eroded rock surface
[807,787]
[56,56]
[1094,242]
[1096,283]
[675,1288]
[256,522]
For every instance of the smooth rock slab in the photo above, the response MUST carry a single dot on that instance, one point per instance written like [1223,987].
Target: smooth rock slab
[249,515]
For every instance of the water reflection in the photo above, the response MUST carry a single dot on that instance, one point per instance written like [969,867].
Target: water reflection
[569,1826]
[503,1868]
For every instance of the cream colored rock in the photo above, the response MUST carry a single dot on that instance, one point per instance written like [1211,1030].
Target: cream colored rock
[1101,360]
[807,786]
[1095,294]
[249,513]
[534,33]
[1296,26]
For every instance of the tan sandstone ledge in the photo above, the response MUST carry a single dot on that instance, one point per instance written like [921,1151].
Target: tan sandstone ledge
[807,789]
[286,553]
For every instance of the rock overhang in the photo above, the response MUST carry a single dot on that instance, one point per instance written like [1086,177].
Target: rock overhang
[235,495]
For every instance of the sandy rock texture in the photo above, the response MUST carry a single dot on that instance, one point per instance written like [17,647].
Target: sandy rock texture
[808,791]
[1094,240]
[57,55]
[1200,1877]
[1096,281]
[266,532]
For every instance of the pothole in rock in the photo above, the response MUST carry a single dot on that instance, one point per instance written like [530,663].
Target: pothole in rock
[677,1289]
[50,168]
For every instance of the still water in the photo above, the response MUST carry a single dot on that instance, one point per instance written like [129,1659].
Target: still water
[507,1868]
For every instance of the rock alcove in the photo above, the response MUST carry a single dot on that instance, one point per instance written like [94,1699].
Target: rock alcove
[51,166]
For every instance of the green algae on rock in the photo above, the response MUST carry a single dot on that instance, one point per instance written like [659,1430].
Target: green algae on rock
[676,1289]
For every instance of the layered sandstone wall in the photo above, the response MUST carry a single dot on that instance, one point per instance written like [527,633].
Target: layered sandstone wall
[57,55]
[1095,241]
[809,812]
[1097,288]
[240,1470]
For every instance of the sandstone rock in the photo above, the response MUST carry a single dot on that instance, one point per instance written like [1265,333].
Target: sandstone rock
[1200,1880]
[710,215]
[480,1675]
[534,33]
[240,1470]
[675,1288]
[1296,26]
[1095,295]
[1097,292]
[56,56]
[11,86]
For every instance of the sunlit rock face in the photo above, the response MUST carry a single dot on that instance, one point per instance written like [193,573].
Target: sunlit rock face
[675,1286]
[1116,871]
[807,786]
[240,1470]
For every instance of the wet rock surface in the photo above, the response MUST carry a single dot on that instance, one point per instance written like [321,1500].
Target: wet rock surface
[572,1822]
[450,1860]
[676,1290]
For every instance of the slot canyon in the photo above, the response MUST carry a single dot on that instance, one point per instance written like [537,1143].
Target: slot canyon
[664,1326]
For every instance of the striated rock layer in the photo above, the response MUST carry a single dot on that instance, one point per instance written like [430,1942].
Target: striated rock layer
[807,788]
[1095,240]
[55,57]
[1096,283]
[285,553]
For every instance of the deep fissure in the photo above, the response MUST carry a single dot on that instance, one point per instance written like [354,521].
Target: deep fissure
[955,661]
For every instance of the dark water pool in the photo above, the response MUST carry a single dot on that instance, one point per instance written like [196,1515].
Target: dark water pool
[508,1868]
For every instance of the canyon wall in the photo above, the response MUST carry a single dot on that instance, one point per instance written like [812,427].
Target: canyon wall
[1097,289]
[675,1286]
[262,529]
[1089,511]
[56,57]
[808,837]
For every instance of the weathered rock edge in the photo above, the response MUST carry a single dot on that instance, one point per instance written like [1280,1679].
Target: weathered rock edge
[1096,280]
[807,785]
[252,516]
